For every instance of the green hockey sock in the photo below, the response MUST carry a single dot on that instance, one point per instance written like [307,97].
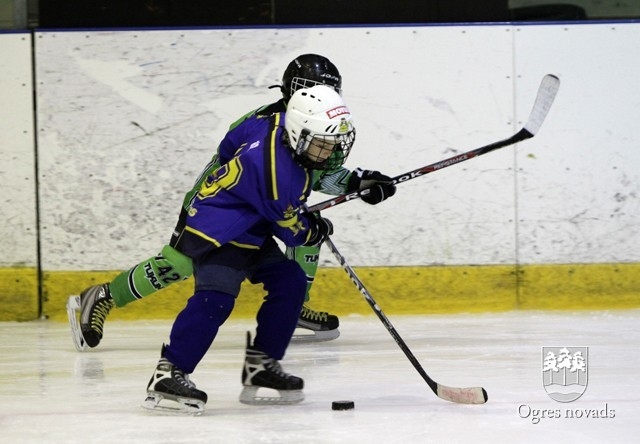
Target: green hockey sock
[307,258]
[151,275]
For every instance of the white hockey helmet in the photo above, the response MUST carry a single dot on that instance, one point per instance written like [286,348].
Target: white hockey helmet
[320,127]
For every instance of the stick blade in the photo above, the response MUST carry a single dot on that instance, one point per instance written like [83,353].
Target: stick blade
[468,395]
[546,95]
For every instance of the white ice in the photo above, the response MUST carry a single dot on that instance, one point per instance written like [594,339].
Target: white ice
[49,393]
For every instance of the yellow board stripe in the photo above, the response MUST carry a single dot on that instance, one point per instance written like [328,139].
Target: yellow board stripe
[19,294]
[398,290]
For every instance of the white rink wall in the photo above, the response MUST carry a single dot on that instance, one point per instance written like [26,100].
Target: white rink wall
[18,233]
[126,120]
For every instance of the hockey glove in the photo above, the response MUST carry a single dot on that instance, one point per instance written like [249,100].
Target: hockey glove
[320,228]
[380,186]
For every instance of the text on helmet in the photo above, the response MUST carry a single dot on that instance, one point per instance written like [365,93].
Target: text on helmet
[338,111]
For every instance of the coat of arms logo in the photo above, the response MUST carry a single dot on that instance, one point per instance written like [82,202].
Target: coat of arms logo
[565,372]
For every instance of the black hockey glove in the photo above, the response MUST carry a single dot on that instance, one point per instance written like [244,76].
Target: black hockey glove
[320,228]
[380,186]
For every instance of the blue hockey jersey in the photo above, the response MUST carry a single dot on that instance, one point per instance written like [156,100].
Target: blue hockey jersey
[257,192]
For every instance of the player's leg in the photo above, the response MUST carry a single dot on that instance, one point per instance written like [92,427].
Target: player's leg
[193,332]
[145,278]
[88,312]
[171,389]
[277,318]
[322,325]
[195,328]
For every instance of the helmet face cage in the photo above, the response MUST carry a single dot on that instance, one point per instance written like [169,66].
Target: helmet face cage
[308,70]
[324,152]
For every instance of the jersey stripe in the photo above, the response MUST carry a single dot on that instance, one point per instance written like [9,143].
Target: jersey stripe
[249,246]
[202,235]
[270,160]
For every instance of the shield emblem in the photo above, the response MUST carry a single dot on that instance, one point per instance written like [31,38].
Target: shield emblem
[565,372]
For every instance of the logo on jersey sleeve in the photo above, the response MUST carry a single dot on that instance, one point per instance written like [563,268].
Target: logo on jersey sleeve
[255,144]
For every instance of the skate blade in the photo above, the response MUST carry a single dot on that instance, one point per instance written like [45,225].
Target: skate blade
[173,406]
[73,313]
[304,335]
[249,395]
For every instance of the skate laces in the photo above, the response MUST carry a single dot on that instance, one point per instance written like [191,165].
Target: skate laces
[269,364]
[313,315]
[176,374]
[183,379]
[100,312]
[274,367]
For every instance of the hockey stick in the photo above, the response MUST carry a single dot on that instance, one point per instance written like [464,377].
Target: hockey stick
[469,395]
[544,99]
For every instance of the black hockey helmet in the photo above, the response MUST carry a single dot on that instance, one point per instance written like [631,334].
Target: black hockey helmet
[308,70]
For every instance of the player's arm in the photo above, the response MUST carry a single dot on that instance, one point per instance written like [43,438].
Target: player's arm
[343,181]
[308,229]
[283,209]
[333,182]
[381,186]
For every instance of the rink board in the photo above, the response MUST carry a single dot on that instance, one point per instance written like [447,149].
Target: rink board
[398,290]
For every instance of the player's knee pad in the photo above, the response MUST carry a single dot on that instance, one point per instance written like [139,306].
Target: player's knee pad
[219,278]
[214,305]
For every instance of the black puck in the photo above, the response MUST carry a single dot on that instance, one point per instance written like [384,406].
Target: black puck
[342,405]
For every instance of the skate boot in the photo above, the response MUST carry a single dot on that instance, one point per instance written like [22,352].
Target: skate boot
[263,372]
[170,390]
[317,326]
[93,306]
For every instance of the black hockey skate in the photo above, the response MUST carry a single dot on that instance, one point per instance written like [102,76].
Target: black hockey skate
[318,326]
[93,305]
[170,390]
[262,372]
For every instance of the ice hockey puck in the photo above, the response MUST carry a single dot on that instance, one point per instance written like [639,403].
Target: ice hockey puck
[342,405]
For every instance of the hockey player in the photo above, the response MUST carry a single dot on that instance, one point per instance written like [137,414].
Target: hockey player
[228,234]
[170,266]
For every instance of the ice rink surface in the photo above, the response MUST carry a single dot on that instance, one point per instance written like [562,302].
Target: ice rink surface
[50,393]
